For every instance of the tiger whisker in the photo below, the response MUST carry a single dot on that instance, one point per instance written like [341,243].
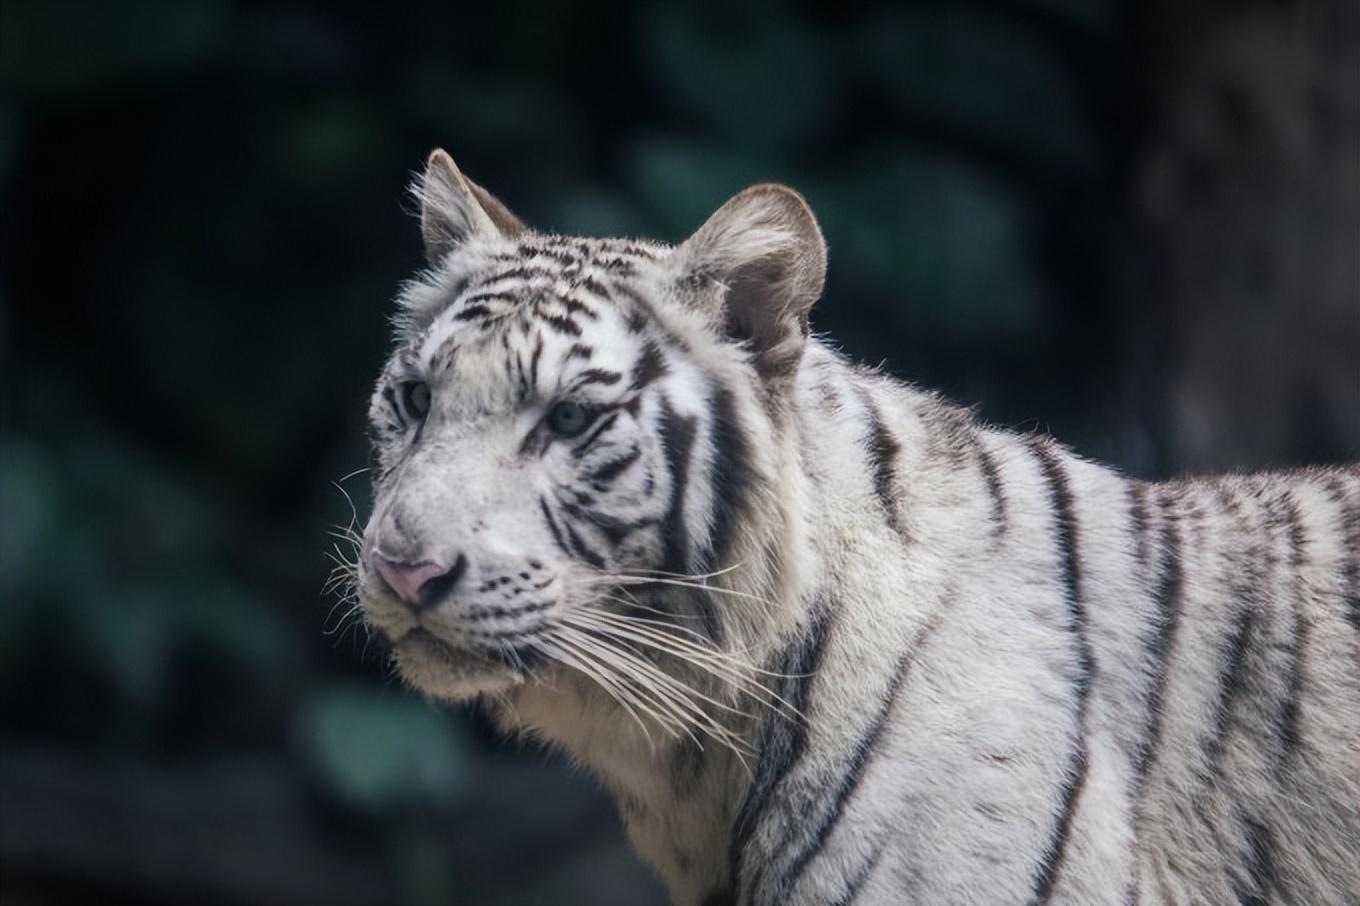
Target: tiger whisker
[671,691]
[562,650]
[353,510]
[634,604]
[347,477]
[598,630]
[345,622]
[732,670]
[658,629]
[736,653]
[622,579]
[697,576]
[631,685]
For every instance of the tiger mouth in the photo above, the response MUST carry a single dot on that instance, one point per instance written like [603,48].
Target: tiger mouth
[466,659]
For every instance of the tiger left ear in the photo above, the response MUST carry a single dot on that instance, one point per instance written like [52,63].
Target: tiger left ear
[454,209]
[765,254]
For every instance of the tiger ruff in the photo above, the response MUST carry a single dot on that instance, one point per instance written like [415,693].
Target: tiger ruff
[827,638]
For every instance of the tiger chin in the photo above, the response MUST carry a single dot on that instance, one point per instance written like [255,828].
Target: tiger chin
[826,637]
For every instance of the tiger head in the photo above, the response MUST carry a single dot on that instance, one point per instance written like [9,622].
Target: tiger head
[570,430]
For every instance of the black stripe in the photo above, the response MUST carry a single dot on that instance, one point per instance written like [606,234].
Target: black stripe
[637,250]
[651,364]
[882,449]
[477,614]
[597,376]
[782,745]
[533,360]
[858,763]
[606,472]
[578,351]
[1138,522]
[1050,863]
[619,267]
[524,272]
[390,394]
[1289,730]
[1163,640]
[677,439]
[1350,532]
[613,528]
[469,312]
[547,249]
[730,476]
[1261,868]
[552,526]
[1251,576]
[852,888]
[591,285]
[583,549]
[601,426]
[991,474]
[577,307]
[476,299]
[1230,684]
[560,324]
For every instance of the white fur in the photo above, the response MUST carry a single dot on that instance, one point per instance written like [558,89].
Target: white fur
[944,604]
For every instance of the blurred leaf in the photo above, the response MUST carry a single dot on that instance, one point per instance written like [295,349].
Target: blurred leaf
[989,76]
[330,143]
[70,47]
[949,242]
[421,858]
[11,138]
[126,639]
[28,487]
[236,627]
[493,114]
[376,753]
[1094,15]
[767,80]
[684,180]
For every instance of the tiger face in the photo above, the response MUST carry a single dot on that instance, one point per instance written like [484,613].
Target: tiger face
[566,423]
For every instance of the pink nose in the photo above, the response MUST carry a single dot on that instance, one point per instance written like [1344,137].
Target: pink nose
[418,583]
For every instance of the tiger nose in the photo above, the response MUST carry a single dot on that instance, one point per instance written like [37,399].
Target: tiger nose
[421,583]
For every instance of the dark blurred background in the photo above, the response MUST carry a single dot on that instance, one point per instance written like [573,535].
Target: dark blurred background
[1135,225]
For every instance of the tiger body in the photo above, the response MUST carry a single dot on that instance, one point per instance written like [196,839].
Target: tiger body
[827,638]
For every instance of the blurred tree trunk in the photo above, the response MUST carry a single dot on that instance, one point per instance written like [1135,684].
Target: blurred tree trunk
[1247,203]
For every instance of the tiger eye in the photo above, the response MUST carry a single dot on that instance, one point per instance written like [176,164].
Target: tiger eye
[568,419]
[415,398]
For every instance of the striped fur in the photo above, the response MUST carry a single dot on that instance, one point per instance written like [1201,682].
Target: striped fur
[916,659]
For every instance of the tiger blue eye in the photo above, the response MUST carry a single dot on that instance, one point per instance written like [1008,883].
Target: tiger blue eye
[568,419]
[415,397]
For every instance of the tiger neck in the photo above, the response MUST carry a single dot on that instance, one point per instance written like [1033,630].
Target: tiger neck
[676,798]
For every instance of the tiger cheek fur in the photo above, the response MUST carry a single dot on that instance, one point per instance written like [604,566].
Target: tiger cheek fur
[827,638]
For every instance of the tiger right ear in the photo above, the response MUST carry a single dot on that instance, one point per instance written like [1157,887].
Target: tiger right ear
[757,266]
[454,209]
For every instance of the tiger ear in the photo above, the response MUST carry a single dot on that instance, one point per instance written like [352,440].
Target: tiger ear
[766,256]
[454,209]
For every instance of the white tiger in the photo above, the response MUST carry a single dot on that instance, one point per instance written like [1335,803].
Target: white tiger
[825,637]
